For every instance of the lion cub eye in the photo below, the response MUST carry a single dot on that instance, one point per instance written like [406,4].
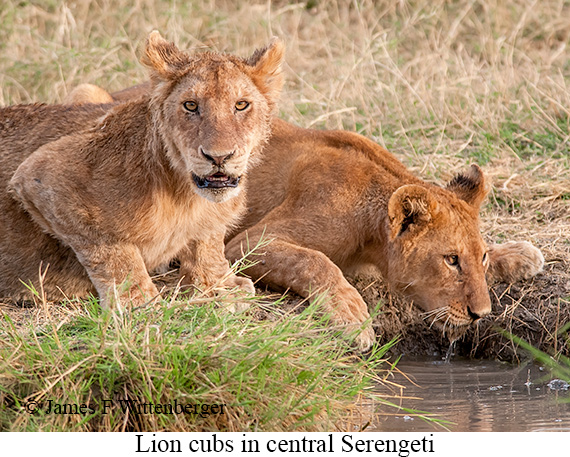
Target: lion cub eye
[191,106]
[485,259]
[452,260]
[241,105]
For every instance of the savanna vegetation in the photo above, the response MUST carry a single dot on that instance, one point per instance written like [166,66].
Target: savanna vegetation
[441,84]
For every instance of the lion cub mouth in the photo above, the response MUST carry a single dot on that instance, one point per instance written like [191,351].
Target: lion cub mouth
[216,181]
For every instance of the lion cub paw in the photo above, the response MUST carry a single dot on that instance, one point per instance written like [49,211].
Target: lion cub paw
[514,261]
[235,299]
[350,310]
[241,283]
[365,339]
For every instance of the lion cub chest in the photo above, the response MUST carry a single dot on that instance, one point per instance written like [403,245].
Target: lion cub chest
[169,225]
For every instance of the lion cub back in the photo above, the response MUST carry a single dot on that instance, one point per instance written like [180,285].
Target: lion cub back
[24,128]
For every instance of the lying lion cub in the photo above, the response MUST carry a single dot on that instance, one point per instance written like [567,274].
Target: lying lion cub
[334,201]
[154,178]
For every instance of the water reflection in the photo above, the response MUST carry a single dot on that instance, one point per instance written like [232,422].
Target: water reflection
[477,395]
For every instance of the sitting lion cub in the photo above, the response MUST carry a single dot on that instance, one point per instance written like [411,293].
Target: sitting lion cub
[154,178]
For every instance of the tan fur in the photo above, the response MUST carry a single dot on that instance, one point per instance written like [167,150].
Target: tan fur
[333,202]
[130,190]
[512,261]
[87,93]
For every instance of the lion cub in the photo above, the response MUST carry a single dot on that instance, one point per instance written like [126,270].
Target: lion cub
[154,178]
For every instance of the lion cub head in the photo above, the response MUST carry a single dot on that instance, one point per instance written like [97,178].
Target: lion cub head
[214,111]
[438,257]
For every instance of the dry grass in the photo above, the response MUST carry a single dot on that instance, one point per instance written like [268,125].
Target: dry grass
[439,83]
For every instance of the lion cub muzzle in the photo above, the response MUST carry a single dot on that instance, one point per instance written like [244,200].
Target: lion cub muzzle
[219,179]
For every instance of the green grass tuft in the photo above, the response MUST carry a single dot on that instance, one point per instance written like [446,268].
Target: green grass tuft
[281,374]
[559,365]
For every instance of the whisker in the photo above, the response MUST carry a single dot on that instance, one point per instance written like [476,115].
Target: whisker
[406,284]
[436,315]
[445,324]
[433,311]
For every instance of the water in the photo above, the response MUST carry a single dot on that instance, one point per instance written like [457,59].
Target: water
[450,351]
[476,395]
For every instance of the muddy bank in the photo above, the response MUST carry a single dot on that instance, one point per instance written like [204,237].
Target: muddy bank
[534,310]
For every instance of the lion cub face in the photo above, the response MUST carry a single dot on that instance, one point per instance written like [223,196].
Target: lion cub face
[215,111]
[439,258]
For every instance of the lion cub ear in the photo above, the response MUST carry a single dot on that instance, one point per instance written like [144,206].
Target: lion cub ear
[267,72]
[470,186]
[163,58]
[410,209]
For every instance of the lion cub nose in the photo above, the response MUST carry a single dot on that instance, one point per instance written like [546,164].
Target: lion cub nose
[217,158]
[477,314]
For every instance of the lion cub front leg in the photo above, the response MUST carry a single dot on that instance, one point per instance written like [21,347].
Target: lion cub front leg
[514,261]
[115,267]
[204,266]
[307,272]
[118,272]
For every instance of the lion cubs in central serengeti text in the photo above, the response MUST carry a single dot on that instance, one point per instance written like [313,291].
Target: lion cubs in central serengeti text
[155,178]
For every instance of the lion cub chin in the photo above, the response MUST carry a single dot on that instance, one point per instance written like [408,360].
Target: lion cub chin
[155,178]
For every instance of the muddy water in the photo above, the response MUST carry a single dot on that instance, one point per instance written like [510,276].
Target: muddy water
[478,395]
